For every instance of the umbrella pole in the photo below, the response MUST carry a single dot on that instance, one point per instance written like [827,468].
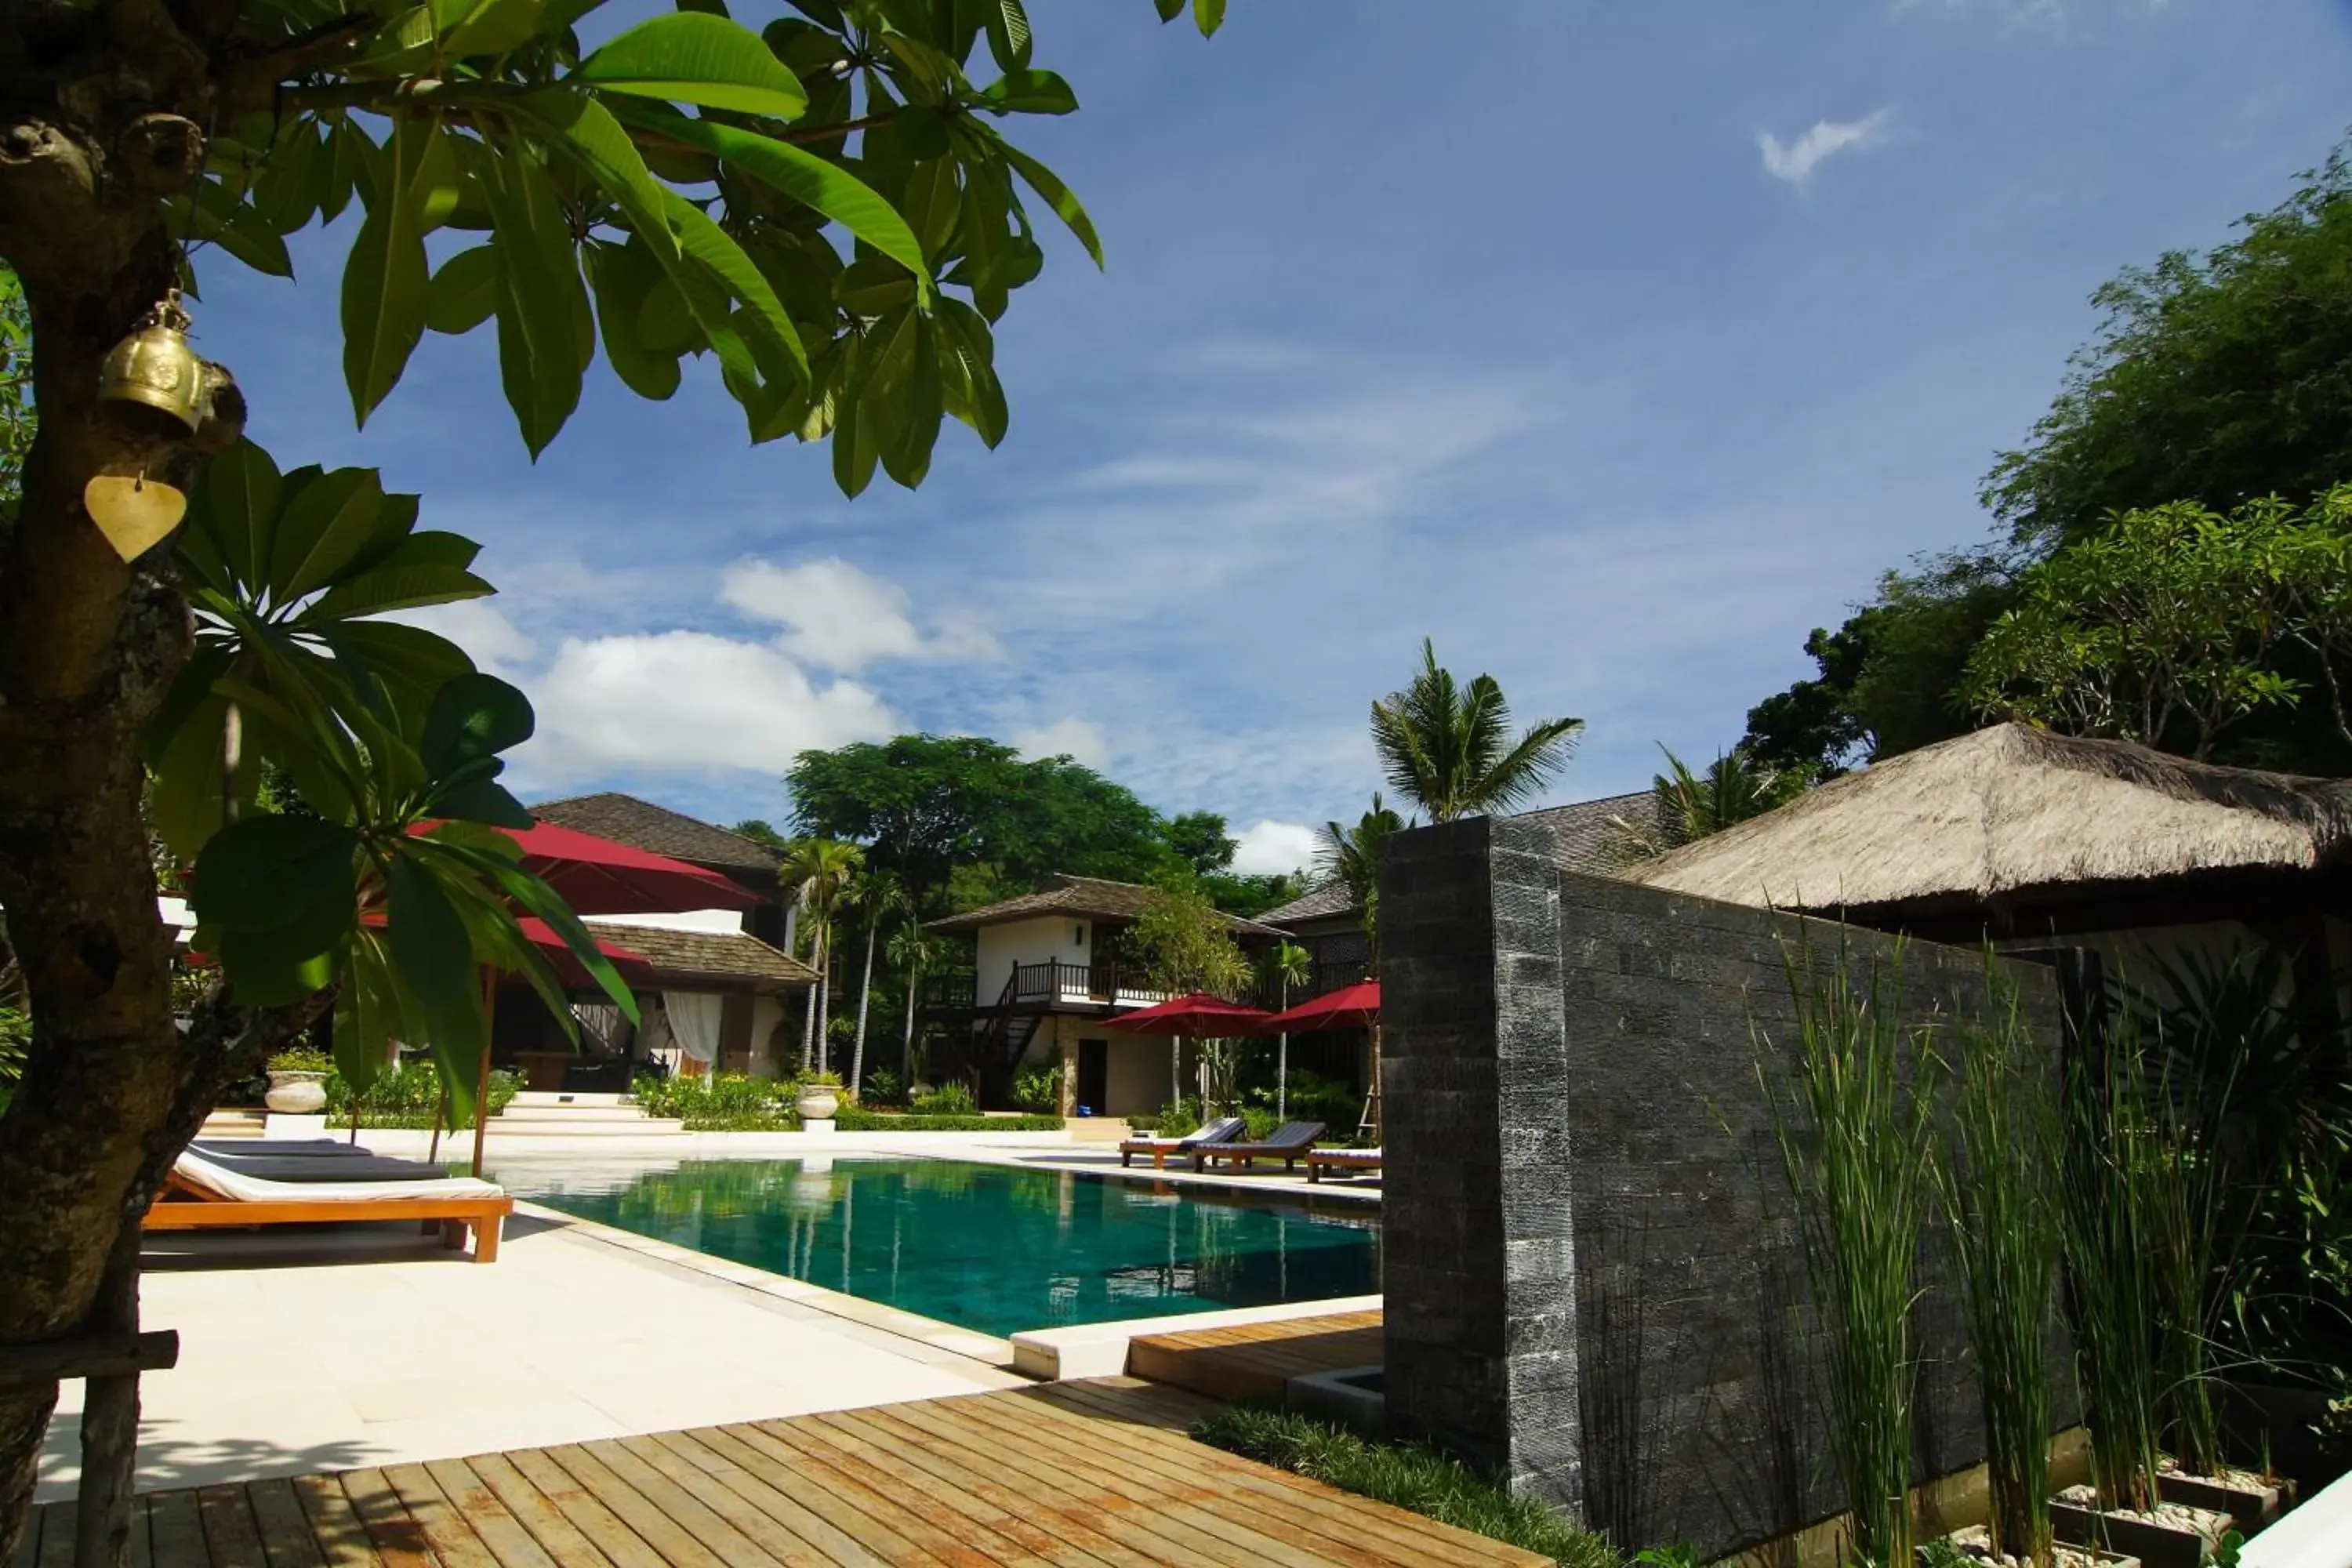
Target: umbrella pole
[440,1114]
[1282,1076]
[482,1079]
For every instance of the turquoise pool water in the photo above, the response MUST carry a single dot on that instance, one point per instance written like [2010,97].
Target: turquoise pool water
[988,1248]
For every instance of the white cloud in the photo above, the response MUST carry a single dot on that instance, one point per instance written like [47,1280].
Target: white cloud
[838,617]
[1270,848]
[1069,737]
[1795,162]
[495,642]
[680,700]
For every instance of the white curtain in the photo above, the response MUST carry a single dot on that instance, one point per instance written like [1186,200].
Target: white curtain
[694,1022]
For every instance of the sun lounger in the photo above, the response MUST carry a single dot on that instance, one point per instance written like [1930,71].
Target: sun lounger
[1352,1161]
[309,1168]
[248,1148]
[1288,1144]
[1223,1130]
[203,1194]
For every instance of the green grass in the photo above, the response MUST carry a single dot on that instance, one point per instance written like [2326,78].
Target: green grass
[1407,1476]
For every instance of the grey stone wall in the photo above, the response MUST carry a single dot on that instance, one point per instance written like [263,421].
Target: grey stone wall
[1593,1285]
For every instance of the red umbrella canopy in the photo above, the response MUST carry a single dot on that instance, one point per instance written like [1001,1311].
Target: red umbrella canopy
[1199,1014]
[597,877]
[1349,1007]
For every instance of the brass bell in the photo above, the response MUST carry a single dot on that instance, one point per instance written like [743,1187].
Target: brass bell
[154,366]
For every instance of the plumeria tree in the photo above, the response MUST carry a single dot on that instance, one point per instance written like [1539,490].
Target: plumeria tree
[826,209]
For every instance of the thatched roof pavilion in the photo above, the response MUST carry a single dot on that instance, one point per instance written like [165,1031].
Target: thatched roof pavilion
[2014,832]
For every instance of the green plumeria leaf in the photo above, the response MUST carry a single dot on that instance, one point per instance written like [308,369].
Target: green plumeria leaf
[689,57]
[1030,92]
[464,292]
[385,279]
[1049,185]
[487,27]
[264,872]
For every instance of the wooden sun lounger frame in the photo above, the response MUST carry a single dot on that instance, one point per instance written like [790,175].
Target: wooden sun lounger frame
[1241,1155]
[185,1205]
[1321,1160]
[1161,1148]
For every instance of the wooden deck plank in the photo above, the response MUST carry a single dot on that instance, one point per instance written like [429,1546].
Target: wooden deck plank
[606,1528]
[549,1525]
[674,1523]
[1253,1361]
[890,1496]
[448,1534]
[142,1549]
[1417,1536]
[335,1525]
[750,1457]
[509,1543]
[796,1505]
[1189,1508]
[1074,1503]
[175,1530]
[287,1539]
[230,1534]
[971,1482]
[1279,1533]
[398,1540]
[779,1530]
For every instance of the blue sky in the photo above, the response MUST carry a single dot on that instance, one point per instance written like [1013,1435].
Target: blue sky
[1613,346]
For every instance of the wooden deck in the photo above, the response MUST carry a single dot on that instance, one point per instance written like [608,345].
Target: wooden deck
[1253,1361]
[1096,1474]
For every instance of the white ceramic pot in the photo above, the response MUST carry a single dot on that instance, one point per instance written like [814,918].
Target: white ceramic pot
[817,1101]
[296,1093]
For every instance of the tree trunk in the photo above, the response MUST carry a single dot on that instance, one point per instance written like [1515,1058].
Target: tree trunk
[906,1045]
[808,1013]
[103,123]
[823,996]
[865,999]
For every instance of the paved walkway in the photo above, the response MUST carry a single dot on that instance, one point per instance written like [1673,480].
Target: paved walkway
[371,1346]
[1096,1474]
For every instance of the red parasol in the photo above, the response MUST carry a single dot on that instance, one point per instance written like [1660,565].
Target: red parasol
[1197,1017]
[598,877]
[1356,1007]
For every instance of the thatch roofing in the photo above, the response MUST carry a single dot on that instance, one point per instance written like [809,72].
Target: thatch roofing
[730,958]
[2008,810]
[1092,897]
[642,824]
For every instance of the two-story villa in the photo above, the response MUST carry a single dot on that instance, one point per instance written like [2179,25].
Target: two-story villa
[1051,975]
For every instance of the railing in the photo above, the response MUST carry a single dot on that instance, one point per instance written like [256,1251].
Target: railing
[1055,983]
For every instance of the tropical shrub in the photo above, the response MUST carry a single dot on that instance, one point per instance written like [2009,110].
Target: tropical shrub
[852,1119]
[883,1086]
[408,1097]
[1038,1089]
[948,1099]
[721,1102]
[300,1058]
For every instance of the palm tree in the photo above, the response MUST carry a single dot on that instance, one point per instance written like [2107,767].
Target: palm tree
[1447,747]
[1690,806]
[1351,857]
[911,950]
[814,873]
[878,895]
[1287,965]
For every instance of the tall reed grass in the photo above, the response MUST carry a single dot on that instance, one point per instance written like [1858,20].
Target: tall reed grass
[1857,1142]
[1999,1177]
[2112,1220]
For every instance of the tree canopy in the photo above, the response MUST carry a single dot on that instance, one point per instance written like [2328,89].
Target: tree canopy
[2214,380]
[964,820]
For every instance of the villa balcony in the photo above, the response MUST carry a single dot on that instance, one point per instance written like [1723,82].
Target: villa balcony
[1053,986]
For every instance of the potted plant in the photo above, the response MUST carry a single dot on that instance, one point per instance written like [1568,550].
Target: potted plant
[819,1096]
[298,1083]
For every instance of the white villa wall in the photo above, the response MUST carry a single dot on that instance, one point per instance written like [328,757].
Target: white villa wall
[1137,1081]
[715,921]
[996,949]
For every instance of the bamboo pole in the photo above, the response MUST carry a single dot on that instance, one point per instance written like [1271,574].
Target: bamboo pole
[482,1079]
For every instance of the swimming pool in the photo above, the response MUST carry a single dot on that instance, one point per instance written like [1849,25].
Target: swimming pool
[988,1248]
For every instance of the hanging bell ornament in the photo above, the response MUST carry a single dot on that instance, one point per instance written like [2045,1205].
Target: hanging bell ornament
[155,367]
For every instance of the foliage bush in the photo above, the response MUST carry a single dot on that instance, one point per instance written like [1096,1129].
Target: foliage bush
[721,1102]
[15,1034]
[302,1058]
[948,1099]
[1407,1476]
[1038,1089]
[405,1096]
[852,1119]
[883,1086]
